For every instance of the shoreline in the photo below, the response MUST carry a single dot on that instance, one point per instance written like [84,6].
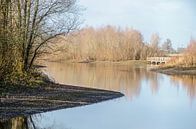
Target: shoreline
[175,70]
[24,101]
[160,69]
[125,62]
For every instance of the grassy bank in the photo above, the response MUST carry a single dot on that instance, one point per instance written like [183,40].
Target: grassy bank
[23,101]
[175,70]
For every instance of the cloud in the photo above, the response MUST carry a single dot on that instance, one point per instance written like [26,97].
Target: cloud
[173,19]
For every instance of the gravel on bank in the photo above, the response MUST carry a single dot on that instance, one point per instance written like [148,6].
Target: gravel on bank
[22,101]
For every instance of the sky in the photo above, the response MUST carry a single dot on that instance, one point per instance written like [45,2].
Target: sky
[173,19]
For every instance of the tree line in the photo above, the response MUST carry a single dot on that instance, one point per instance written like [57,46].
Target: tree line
[109,43]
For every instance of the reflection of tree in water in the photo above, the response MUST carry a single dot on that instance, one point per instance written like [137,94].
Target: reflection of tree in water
[154,81]
[18,123]
[188,82]
[117,77]
[30,122]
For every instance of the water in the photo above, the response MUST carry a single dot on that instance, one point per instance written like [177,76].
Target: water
[151,101]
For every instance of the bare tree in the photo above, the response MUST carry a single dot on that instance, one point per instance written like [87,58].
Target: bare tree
[153,49]
[27,26]
[107,43]
[47,19]
[167,46]
[155,40]
[190,54]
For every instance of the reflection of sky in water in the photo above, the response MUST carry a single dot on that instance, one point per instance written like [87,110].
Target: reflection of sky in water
[156,102]
[145,112]
[127,79]
[152,101]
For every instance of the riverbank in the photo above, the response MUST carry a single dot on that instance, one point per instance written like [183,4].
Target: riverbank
[125,62]
[25,101]
[175,70]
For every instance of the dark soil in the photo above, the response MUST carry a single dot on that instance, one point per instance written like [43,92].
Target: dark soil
[24,101]
[176,70]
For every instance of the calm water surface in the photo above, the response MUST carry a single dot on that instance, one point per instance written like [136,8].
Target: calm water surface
[152,100]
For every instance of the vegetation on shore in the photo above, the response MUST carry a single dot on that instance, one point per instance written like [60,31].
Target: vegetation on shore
[176,70]
[107,43]
[30,29]
[26,27]
[185,64]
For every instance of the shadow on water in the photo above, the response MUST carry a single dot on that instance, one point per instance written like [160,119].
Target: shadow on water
[30,122]
[19,123]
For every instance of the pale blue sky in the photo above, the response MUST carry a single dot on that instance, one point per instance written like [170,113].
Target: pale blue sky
[174,19]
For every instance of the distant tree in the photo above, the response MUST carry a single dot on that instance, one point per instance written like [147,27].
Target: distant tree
[167,46]
[190,54]
[191,49]
[154,41]
[108,43]
[153,47]
[180,49]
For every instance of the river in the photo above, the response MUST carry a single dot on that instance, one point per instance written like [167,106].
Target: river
[151,101]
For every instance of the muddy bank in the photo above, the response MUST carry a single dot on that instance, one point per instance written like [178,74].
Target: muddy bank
[22,101]
[175,70]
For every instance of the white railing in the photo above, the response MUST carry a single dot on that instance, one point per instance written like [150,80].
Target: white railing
[159,59]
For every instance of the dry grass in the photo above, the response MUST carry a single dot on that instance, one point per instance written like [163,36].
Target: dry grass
[184,65]
[187,60]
